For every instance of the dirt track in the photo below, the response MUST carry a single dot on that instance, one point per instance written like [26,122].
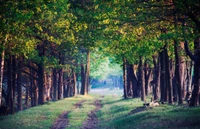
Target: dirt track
[92,120]
[61,122]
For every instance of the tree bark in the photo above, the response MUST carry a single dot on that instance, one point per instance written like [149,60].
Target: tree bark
[155,83]
[9,83]
[141,79]
[129,80]
[147,73]
[134,82]
[196,58]
[82,79]
[87,74]
[60,84]
[163,81]
[74,78]
[169,77]
[19,86]
[125,77]
[1,73]
[178,73]
[55,95]
[41,83]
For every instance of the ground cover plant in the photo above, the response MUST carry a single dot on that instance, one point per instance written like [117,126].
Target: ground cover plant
[115,113]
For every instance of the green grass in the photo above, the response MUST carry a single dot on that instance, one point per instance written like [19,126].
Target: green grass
[114,114]
[43,117]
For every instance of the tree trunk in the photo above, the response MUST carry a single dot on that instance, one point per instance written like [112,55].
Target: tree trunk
[82,80]
[60,84]
[196,58]
[134,82]
[178,73]
[41,83]
[78,86]
[55,95]
[27,95]
[129,80]
[19,86]
[35,91]
[74,78]
[87,74]
[1,73]
[141,79]
[147,73]
[169,77]
[163,81]
[10,87]
[155,83]
[125,77]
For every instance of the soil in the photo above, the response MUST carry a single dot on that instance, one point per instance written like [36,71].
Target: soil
[61,122]
[79,104]
[92,121]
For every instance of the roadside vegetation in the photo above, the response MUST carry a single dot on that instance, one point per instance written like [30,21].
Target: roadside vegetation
[118,113]
[115,113]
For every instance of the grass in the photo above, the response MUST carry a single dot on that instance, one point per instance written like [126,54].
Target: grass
[114,114]
[43,117]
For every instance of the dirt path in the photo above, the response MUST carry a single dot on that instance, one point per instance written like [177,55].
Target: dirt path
[92,120]
[61,122]
[79,104]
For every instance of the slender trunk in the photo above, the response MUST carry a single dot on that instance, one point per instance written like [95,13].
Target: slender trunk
[10,87]
[129,81]
[82,80]
[48,86]
[69,87]
[169,77]
[141,79]
[1,73]
[60,84]
[156,78]
[35,91]
[31,88]
[19,87]
[74,77]
[178,73]
[125,78]
[41,83]
[55,95]
[27,95]
[87,73]
[134,82]
[163,81]
[147,73]
[78,86]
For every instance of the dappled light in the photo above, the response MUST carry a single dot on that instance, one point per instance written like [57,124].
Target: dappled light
[99,64]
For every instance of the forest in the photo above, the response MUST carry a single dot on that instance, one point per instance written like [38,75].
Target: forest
[55,49]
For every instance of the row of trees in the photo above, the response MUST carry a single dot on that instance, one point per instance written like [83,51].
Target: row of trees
[150,38]
[45,48]
[46,45]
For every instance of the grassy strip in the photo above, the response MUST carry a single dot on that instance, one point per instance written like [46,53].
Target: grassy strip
[114,115]
[42,117]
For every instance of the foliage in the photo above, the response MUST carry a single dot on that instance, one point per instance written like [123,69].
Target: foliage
[102,68]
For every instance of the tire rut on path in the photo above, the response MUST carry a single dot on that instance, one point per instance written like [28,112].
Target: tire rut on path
[92,121]
[79,104]
[61,122]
